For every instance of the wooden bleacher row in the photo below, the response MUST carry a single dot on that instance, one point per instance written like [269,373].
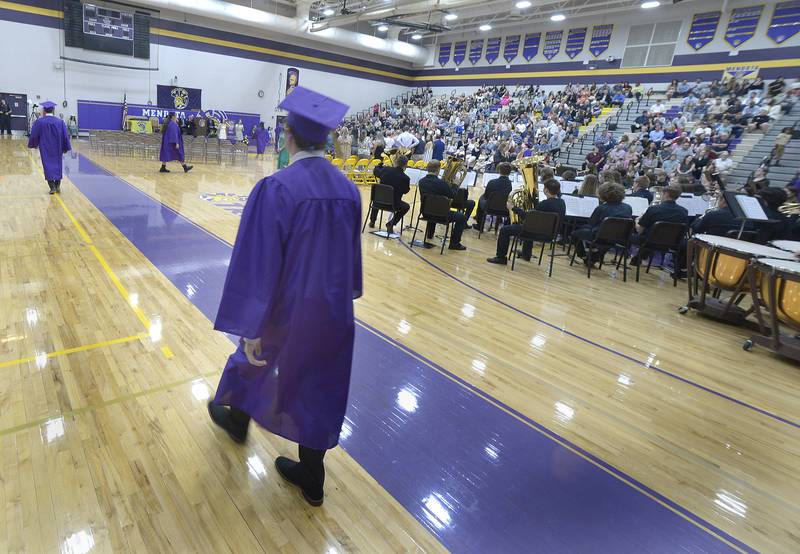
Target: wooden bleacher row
[360,170]
[148,147]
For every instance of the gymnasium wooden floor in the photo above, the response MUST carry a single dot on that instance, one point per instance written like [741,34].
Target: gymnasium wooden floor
[491,410]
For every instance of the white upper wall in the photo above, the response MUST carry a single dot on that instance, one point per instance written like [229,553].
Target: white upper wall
[622,23]
[228,83]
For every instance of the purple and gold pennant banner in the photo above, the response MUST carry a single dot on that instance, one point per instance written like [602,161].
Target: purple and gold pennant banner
[601,38]
[493,49]
[703,29]
[742,25]
[576,38]
[475,51]
[511,48]
[531,46]
[552,44]
[785,22]
[444,53]
[459,52]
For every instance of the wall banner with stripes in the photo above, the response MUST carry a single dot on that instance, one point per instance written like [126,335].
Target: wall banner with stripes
[703,29]
[475,51]
[785,22]
[742,25]
[459,52]
[576,39]
[531,46]
[601,38]
[552,44]
[444,53]
[492,49]
[511,48]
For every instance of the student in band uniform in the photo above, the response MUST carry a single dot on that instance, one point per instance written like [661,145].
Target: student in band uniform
[432,184]
[500,185]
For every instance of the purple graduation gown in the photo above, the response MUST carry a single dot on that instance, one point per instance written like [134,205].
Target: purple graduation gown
[50,135]
[293,275]
[169,139]
[262,140]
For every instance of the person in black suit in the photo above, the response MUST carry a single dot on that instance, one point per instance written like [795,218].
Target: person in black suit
[553,203]
[5,117]
[780,227]
[611,196]
[501,185]
[668,210]
[396,178]
[433,185]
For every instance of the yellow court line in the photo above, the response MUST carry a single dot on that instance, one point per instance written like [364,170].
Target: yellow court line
[553,436]
[74,350]
[107,403]
[30,9]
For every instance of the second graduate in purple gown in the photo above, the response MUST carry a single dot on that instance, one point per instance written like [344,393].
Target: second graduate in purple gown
[262,138]
[293,275]
[49,134]
[171,145]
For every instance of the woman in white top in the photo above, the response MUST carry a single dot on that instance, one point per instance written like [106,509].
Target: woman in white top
[427,155]
[222,132]
[238,130]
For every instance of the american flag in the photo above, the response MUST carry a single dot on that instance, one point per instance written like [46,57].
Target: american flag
[124,109]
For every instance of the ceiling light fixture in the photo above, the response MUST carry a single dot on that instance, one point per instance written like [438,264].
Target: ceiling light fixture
[416,36]
[558,17]
[649,5]
[450,16]
[327,12]
[522,4]
[383,28]
[485,27]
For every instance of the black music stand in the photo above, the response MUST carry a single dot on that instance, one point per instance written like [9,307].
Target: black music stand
[746,208]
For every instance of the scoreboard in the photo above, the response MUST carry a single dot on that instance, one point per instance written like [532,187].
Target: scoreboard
[104,22]
[107,28]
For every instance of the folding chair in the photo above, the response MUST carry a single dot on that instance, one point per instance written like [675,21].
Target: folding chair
[496,207]
[538,227]
[360,171]
[382,199]
[435,209]
[613,232]
[663,237]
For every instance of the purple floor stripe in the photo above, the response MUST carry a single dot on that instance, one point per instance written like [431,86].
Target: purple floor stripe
[603,347]
[479,475]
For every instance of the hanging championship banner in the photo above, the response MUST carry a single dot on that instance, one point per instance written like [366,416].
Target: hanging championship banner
[785,21]
[492,49]
[601,38]
[531,46]
[444,53]
[576,38]
[742,25]
[475,51]
[511,48]
[552,44]
[292,79]
[739,72]
[704,27]
[459,52]
[178,98]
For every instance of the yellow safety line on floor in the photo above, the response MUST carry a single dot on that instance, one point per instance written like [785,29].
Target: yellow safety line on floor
[74,350]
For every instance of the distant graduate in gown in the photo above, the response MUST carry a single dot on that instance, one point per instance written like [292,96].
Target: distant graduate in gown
[293,275]
[262,139]
[172,145]
[49,134]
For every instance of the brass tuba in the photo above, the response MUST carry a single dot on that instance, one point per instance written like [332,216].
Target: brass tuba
[527,197]
[455,172]
[396,153]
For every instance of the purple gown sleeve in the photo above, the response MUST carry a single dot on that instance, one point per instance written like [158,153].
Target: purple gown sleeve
[358,283]
[255,268]
[33,140]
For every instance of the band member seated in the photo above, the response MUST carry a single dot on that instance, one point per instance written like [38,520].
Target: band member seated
[611,195]
[500,185]
[396,178]
[641,188]
[432,184]
[553,203]
[667,210]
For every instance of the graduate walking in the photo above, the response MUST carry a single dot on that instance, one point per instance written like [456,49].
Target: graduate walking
[292,278]
[172,145]
[49,134]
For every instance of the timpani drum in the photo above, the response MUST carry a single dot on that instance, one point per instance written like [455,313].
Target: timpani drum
[775,286]
[717,265]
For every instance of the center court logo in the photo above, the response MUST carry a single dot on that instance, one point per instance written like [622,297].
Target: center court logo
[180,97]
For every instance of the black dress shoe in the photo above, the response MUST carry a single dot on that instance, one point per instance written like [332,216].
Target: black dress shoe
[389,229]
[457,247]
[221,415]
[163,170]
[634,261]
[371,224]
[187,168]
[294,473]
[497,260]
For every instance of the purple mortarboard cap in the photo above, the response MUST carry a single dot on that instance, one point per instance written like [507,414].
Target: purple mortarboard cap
[48,105]
[311,114]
